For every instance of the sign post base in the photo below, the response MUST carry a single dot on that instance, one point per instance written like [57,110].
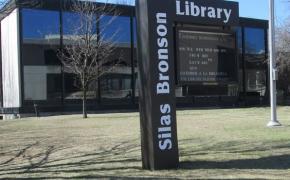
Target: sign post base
[274,124]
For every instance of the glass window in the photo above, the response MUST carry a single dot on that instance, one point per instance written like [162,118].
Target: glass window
[42,70]
[255,60]
[116,84]
[115,28]
[40,25]
[70,22]
[256,81]
[254,47]
[255,40]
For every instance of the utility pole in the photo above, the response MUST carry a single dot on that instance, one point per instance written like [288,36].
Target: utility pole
[273,71]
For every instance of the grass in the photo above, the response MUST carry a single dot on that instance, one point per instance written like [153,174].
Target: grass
[213,144]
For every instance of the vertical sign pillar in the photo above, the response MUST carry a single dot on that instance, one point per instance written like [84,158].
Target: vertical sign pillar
[157,84]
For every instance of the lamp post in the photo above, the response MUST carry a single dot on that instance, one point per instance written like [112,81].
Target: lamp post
[273,71]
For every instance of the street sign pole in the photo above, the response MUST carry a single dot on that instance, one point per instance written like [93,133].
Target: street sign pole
[273,72]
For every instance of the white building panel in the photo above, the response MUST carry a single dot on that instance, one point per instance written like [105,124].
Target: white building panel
[11,60]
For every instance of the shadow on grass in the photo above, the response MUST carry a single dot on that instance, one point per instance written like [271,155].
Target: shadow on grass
[41,163]
[281,162]
[93,177]
[35,160]
[232,148]
[19,154]
[118,159]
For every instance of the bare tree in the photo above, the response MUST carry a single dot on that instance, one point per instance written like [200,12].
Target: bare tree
[283,56]
[87,51]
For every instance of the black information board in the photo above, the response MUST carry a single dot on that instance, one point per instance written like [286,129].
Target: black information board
[206,57]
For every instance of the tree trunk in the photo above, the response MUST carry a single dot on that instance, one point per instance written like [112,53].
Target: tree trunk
[85,103]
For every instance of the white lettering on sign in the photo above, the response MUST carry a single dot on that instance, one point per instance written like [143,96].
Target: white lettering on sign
[191,9]
[164,132]
[163,86]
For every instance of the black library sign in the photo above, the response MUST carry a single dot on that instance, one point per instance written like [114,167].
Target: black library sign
[156,59]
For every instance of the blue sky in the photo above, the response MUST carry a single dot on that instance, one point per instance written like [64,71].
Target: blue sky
[259,9]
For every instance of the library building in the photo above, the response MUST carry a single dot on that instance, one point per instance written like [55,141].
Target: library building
[219,58]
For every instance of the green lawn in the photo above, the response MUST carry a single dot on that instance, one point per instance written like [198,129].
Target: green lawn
[214,144]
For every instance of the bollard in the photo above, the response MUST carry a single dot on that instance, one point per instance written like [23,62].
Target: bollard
[36,110]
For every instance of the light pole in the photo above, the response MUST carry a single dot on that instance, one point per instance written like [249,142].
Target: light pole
[273,72]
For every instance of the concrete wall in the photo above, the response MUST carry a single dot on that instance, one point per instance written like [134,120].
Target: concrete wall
[10,46]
